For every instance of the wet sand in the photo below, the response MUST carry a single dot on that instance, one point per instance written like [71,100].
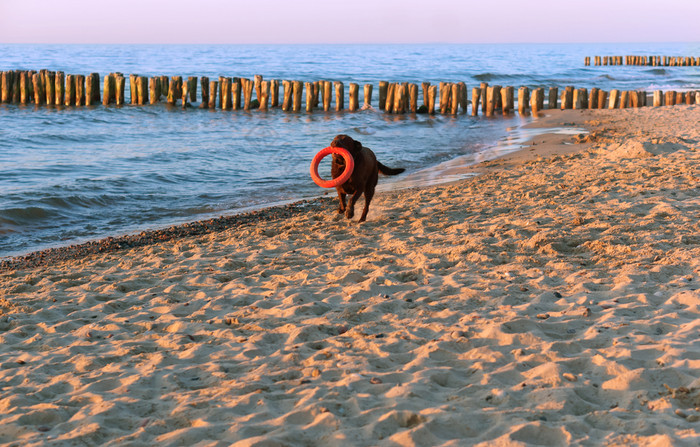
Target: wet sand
[551,300]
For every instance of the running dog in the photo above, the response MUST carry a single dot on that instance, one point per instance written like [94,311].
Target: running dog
[364,177]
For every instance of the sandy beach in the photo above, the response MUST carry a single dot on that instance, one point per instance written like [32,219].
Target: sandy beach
[551,300]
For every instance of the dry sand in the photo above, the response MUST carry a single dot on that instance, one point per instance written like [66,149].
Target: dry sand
[553,300]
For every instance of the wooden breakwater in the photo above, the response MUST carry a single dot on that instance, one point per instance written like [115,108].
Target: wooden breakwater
[48,88]
[644,61]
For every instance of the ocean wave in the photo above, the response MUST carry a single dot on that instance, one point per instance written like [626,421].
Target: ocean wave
[656,71]
[17,217]
[487,77]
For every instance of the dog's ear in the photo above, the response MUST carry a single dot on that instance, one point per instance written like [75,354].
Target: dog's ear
[358,146]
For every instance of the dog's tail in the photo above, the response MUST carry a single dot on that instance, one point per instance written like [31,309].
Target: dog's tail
[389,171]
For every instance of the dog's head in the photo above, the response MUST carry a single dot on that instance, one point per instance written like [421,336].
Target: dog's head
[344,141]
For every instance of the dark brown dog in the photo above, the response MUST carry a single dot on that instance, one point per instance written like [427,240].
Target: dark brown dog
[364,176]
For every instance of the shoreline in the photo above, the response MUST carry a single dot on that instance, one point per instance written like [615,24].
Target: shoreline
[554,300]
[264,213]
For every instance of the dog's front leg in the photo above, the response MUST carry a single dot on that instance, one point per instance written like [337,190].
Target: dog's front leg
[350,211]
[341,201]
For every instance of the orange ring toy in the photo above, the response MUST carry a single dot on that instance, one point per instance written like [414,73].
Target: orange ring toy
[349,167]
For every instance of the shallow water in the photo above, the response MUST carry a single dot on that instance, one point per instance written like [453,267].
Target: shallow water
[68,174]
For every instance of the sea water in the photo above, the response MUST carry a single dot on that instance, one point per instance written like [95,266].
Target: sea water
[72,174]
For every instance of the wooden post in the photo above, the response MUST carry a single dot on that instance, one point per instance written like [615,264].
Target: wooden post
[69,99]
[432,94]
[24,82]
[172,93]
[499,101]
[107,89]
[133,90]
[445,93]
[287,95]
[89,90]
[213,90]
[79,90]
[454,101]
[508,99]
[463,98]
[383,91]
[690,98]
[493,95]
[221,87]
[274,93]
[413,97]
[247,87]
[353,97]
[389,106]
[633,99]
[119,89]
[399,98]
[227,85]
[593,98]
[38,90]
[153,90]
[16,92]
[339,96]
[164,83]
[670,98]
[327,95]
[540,98]
[95,88]
[614,99]
[568,98]
[537,102]
[490,101]
[185,95]
[658,98]
[236,92]
[192,88]
[50,88]
[425,86]
[142,82]
[624,95]
[602,99]
[30,85]
[553,97]
[476,98]
[264,95]
[680,98]
[318,92]
[523,99]
[310,96]
[368,96]
[6,86]
[257,82]
[484,90]
[579,98]
[298,92]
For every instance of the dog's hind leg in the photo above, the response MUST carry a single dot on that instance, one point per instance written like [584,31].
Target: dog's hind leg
[350,210]
[368,198]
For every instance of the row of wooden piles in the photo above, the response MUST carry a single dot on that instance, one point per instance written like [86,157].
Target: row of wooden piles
[49,88]
[649,61]
[227,93]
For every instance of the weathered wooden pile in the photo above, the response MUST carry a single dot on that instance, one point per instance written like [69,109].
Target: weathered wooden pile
[650,61]
[232,93]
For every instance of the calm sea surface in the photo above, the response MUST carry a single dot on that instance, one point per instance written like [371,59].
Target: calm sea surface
[68,175]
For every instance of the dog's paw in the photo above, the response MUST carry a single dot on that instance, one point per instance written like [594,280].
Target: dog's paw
[349,213]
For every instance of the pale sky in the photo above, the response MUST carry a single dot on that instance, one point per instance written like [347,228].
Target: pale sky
[351,21]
